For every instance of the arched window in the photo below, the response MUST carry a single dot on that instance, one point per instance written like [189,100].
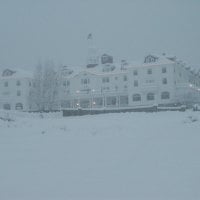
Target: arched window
[19,106]
[6,106]
[150,96]
[165,95]
[136,97]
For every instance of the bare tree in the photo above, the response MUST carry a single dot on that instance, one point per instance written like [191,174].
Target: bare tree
[44,91]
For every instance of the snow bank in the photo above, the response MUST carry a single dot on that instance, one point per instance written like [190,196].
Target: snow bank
[112,156]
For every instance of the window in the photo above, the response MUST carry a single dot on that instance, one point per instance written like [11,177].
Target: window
[125,78]
[164,70]
[68,83]
[149,71]
[6,106]
[64,83]
[84,103]
[135,83]
[83,81]
[105,80]
[18,93]
[135,72]
[6,84]
[150,81]
[136,97]
[111,101]
[123,100]
[116,78]
[165,95]
[116,87]
[29,84]
[18,83]
[164,81]
[66,104]
[125,87]
[105,89]
[150,96]
[19,106]
[97,102]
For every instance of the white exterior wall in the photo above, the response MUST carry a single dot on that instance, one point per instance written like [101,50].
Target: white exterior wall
[151,83]
[8,95]
[147,83]
[182,85]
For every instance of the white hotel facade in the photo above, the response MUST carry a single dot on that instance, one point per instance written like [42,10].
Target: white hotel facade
[161,81]
[158,81]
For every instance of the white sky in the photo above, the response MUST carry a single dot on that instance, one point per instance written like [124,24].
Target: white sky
[128,29]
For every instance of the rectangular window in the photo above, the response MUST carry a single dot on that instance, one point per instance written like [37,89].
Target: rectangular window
[64,83]
[150,81]
[125,78]
[6,84]
[164,70]
[123,100]
[164,81]
[83,81]
[135,83]
[18,93]
[135,72]
[105,80]
[18,83]
[149,71]
[111,101]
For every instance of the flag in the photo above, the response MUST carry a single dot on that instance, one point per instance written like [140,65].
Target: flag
[89,37]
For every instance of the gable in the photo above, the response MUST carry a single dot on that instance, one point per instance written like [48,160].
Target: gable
[150,59]
[8,72]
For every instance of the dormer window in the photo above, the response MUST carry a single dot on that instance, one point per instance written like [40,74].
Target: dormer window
[150,59]
[108,68]
[66,71]
[106,59]
[8,72]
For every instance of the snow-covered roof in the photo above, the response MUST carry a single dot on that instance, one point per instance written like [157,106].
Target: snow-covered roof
[15,73]
[115,68]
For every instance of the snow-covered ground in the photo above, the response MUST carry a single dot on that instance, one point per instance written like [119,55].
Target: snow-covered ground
[110,156]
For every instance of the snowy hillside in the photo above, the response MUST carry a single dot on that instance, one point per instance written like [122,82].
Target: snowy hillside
[113,156]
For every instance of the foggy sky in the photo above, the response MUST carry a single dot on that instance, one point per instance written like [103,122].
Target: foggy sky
[32,30]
